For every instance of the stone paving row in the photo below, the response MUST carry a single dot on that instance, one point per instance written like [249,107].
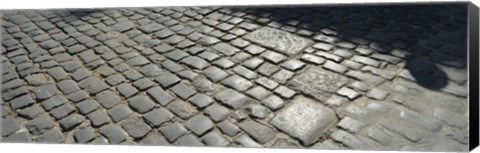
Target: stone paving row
[357,77]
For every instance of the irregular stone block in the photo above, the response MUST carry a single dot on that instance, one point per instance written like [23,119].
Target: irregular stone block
[305,119]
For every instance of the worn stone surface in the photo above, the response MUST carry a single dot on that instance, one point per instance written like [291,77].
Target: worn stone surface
[283,41]
[232,98]
[396,77]
[199,124]
[317,82]
[305,119]
[259,132]
[173,131]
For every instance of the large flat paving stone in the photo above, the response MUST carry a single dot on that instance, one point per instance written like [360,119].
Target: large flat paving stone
[317,82]
[282,41]
[305,119]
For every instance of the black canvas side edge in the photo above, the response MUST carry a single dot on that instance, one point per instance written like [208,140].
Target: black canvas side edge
[473,74]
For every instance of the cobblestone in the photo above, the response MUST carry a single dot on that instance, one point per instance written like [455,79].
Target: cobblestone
[52,136]
[39,125]
[87,106]
[154,139]
[244,72]
[120,112]
[450,118]
[199,124]
[228,128]
[173,131]
[114,133]
[71,121]
[213,138]
[238,77]
[257,111]
[335,67]
[189,140]
[259,132]
[306,127]
[325,84]
[141,103]
[312,59]
[349,140]
[217,112]
[84,135]
[215,74]
[30,112]
[135,127]
[9,126]
[377,94]
[98,118]
[182,109]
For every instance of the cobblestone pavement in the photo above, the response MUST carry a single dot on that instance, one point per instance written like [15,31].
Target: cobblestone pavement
[357,77]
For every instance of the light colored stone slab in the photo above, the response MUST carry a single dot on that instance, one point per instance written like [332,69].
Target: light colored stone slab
[305,119]
[282,41]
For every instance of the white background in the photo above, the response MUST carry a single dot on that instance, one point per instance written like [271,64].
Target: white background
[44,4]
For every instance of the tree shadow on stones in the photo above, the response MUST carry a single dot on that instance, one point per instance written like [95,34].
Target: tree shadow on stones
[424,35]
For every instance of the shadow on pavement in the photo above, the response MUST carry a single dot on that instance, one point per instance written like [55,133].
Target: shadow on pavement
[425,36]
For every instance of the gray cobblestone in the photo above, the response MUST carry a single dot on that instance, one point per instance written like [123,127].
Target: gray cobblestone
[39,125]
[201,100]
[160,96]
[237,83]
[84,135]
[258,131]
[450,118]
[29,112]
[267,69]
[52,136]
[215,74]
[71,121]
[189,140]
[213,138]
[411,133]
[21,102]
[173,131]
[9,126]
[365,60]
[253,63]
[87,106]
[335,67]
[228,128]
[182,109]
[209,63]
[183,91]
[312,59]
[203,85]
[225,49]
[217,112]
[293,65]
[98,118]
[244,72]
[423,122]
[224,63]
[120,112]
[349,140]
[377,94]
[114,133]
[141,103]
[232,98]
[126,90]
[257,111]
[351,124]
[329,56]
[199,124]
[365,77]
[135,127]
